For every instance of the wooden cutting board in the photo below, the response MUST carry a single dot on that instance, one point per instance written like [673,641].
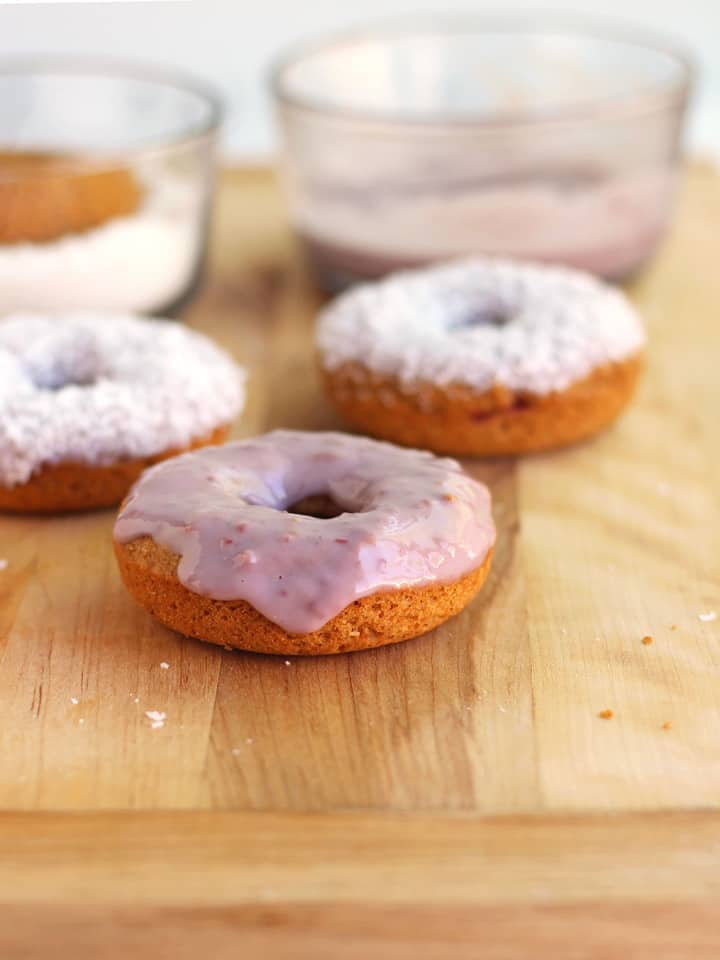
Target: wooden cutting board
[454,796]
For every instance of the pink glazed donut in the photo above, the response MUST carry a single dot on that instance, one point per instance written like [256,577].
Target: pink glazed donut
[305,543]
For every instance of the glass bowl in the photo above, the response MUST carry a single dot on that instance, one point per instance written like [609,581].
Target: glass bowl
[412,143]
[106,174]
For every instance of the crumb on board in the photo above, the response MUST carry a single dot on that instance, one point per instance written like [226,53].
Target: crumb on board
[3,563]
[236,751]
[647,640]
[248,739]
[74,700]
[288,663]
[164,665]
[157,718]
[81,720]
[673,626]
[708,617]
[667,725]
[606,714]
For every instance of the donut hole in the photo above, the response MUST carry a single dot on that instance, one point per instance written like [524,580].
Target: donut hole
[486,315]
[318,505]
[65,358]
[60,383]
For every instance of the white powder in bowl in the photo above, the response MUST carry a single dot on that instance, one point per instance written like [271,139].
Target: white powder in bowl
[141,262]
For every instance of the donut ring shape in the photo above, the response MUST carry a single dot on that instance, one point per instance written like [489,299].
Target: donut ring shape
[87,402]
[481,357]
[210,544]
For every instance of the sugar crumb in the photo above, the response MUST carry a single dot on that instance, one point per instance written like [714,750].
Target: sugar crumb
[236,751]
[3,563]
[164,665]
[647,640]
[606,714]
[708,617]
[248,739]
[288,663]
[81,720]
[157,718]
[74,700]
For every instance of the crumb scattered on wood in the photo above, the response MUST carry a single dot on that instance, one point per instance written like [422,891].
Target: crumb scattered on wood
[157,718]
[708,617]
[667,725]
[606,714]
[647,640]
[673,626]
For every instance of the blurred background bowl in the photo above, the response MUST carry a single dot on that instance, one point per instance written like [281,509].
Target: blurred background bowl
[410,143]
[106,174]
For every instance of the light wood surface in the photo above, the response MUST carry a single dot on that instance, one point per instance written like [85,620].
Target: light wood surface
[533,820]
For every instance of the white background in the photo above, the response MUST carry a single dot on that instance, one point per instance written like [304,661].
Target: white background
[231,42]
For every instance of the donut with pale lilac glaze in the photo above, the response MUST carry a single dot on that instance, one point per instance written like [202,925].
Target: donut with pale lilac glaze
[481,357]
[87,402]
[305,543]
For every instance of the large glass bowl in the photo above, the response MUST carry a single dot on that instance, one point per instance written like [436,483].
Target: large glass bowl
[554,141]
[106,173]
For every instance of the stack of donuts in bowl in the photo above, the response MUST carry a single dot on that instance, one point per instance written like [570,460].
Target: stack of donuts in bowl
[311,543]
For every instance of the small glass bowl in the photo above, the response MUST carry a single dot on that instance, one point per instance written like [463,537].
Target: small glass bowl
[413,143]
[106,175]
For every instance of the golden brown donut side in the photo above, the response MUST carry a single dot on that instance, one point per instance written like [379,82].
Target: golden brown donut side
[149,572]
[459,420]
[71,486]
[45,196]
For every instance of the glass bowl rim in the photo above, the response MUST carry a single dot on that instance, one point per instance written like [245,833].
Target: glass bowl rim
[89,67]
[593,28]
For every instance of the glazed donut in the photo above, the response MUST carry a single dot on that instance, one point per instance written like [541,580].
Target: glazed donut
[218,544]
[481,357]
[87,402]
[44,196]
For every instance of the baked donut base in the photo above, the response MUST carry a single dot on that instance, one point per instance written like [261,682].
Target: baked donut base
[456,419]
[72,486]
[149,572]
[46,196]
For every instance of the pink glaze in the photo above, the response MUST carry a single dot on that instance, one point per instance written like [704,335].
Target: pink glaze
[412,520]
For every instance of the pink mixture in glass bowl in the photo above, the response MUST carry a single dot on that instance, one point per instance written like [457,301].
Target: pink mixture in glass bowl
[421,142]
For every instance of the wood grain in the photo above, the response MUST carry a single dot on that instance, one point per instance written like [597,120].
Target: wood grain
[495,713]
[269,885]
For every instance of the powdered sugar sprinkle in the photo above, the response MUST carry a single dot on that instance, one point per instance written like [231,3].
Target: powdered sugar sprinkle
[95,388]
[481,323]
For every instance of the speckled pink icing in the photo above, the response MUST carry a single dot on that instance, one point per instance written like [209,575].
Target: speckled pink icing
[411,520]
